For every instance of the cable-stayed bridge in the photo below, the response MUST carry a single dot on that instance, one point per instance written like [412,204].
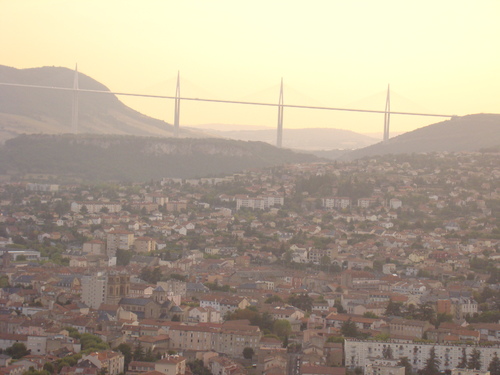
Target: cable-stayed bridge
[280,105]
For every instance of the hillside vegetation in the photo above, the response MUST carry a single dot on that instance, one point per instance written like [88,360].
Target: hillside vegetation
[467,133]
[128,158]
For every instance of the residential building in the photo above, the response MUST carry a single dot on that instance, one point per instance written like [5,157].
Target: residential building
[110,361]
[359,353]
[94,290]
[144,245]
[171,365]
[118,239]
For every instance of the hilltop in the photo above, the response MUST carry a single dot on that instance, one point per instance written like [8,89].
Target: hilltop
[109,157]
[35,110]
[466,133]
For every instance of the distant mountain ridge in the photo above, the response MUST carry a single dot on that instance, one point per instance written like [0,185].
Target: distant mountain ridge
[466,133]
[35,110]
[93,157]
[303,139]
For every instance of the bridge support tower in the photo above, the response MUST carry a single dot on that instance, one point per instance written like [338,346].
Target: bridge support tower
[177,106]
[387,114]
[279,140]
[74,110]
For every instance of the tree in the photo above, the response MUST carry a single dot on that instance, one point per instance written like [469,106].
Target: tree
[49,367]
[151,276]
[274,298]
[4,281]
[138,353]
[338,305]
[463,359]
[336,339]
[349,329]
[302,301]
[443,317]
[474,362]
[248,353]
[426,312]
[494,366]
[282,327]
[197,368]
[325,261]
[92,343]
[62,207]
[17,350]
[32,371]
[370,314]
[126,350]
[403,361]
[123,257]
[393,309]
[431,364]
[387,352]
[149,356]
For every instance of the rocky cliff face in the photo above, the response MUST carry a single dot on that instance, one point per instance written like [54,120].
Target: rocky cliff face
[128,158]
[158,146]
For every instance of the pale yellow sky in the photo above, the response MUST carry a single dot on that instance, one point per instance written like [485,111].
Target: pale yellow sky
[439,56]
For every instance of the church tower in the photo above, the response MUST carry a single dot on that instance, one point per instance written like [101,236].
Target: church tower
[118,287]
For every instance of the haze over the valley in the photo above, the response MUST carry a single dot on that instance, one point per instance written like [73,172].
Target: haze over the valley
[438,57]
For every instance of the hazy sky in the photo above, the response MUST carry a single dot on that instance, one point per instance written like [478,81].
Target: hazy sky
[439,56]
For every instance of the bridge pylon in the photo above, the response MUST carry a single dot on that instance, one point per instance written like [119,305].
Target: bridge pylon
[74,109]
[387,114]
[279,140]
[177,106]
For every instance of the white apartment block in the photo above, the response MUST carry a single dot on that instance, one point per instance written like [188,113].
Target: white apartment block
[464,371]
[384,367]
[118,239]
[366,202]
[409,288]
[94,290]
[395,203]
[259,203]
[336,202]
[96,207]
[42,187]
[359,353]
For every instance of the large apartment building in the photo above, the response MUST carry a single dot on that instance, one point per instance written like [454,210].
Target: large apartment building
[104,288]
[229,338]
[360,353]
[118,239]
[96,207]
[94,290]
[259,203]
[336,202]
[110,362]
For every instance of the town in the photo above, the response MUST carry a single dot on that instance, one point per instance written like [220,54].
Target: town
[385,265]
